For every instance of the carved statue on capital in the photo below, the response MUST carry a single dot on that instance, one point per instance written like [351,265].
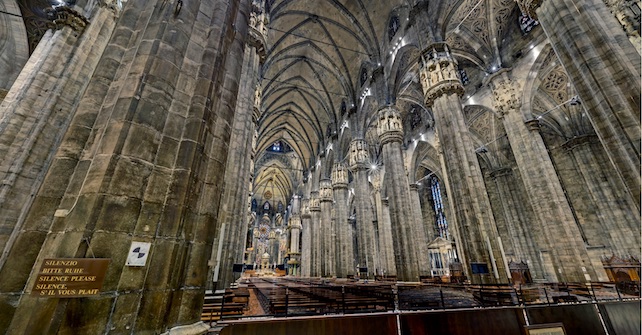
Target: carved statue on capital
[505,92]
[339,176]
[258,33]
[389,125]
[314,201]
[305,207]
[359,156]
[294,222]
[438,73]
[325,190]
[63,16]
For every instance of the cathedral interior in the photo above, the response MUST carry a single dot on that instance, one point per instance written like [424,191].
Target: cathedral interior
[197,143]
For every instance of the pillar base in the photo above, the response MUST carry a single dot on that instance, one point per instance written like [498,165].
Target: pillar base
[198,328]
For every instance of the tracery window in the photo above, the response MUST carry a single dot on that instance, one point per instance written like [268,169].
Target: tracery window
[527,23]
[464,77]
[393,27]
[440,217]
[363,77]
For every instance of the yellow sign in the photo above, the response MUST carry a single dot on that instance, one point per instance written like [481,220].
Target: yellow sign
[70,277]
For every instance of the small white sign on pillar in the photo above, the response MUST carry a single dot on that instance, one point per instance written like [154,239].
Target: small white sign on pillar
[138,253]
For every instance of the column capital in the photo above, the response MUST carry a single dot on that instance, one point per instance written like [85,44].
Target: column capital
[339,176]
[63,16]
[359,156]
[113,5]
[314,202]
[533,125]
[325,190]
[389,125]
[438,73]
[505,90]
[257,34]
[294,222]
[414,187]
[305,208]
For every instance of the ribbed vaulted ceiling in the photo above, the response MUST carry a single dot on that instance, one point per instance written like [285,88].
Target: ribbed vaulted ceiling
[320,53]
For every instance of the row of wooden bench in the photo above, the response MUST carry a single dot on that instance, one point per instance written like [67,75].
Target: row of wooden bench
[293,296]
[231,305]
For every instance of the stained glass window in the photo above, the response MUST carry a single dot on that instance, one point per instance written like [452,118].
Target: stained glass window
[440,217]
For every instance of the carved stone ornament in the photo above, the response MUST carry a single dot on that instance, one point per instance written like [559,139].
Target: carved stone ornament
[325,190]
[438,73]
[339,176]
[359,155]
[305,208]
[505,93]
[314,202]
[389,125]
[63,16]
[294,222]
[258,30]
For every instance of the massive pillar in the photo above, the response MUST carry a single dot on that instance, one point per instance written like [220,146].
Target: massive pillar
[604,68]
[473,214]
[555,219]
[343,244]
[428,211]
[419,231]
[616,225]
[406,242]
[359,163]
[38,110]
[294,226]
[141,161]
[326,233]
[315,238]
[525,238]
[386,246]
[229,245]
[306,238]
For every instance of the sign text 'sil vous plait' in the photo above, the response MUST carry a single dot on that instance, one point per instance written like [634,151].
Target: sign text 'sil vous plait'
[70,277]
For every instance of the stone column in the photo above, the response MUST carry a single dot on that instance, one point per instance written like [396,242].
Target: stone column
[555,219]
[616,223]
[419,232]
[344,246]
[386,245]
[428,212]
[306,238]
[326,232]
[406,242]
[229,246]
[315,228]
[473,217]
[294,226]
[525,239]
[146,144]
[37,111]
[604,68]
[359,164]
